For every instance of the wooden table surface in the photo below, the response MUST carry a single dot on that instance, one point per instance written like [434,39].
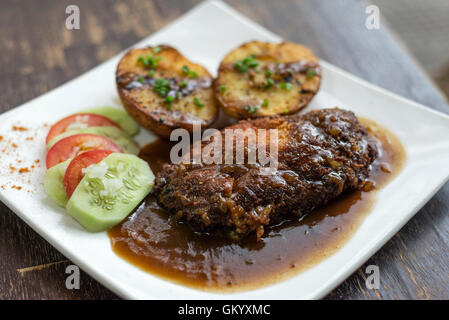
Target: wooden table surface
[38,54]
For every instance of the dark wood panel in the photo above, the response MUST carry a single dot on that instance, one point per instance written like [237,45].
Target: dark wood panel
[39,54]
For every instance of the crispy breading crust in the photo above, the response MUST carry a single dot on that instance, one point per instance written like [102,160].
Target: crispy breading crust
[321,154]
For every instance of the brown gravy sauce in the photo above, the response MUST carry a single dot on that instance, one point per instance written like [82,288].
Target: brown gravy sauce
[149,240]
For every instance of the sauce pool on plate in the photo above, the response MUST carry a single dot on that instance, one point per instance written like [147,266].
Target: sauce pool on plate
[152,241]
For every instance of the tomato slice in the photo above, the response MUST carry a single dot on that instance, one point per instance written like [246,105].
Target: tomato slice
[78,121]
[71,146]
[75,172]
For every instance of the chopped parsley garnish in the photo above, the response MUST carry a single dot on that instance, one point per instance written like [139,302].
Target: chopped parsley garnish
[249,62]
[198,102]
[162,87]
[286,110]
[157,49]
[151,73]
[268,73]
[182,84]
[191,74]
[169,99]
[223,88]
[141,79]
[169,107]
[310,73]
[286,85]
[251,109]
[265,103]
[149,61]
[269,83]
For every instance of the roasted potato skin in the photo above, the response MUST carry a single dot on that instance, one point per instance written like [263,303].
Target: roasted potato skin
[135,88]
[246,94]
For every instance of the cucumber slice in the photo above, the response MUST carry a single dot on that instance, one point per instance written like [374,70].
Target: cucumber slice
[119,137]
[54,183]
[109,191]
[123,119]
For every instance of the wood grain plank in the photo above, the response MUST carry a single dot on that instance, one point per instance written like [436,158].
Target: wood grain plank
[39,54]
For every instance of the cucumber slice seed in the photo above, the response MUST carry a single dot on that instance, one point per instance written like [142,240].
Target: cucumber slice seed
[109,191]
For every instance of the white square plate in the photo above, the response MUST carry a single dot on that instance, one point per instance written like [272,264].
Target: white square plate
[204,35]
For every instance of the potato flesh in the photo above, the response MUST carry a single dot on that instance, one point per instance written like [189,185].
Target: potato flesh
[184,109]
[181,112]
[245,89]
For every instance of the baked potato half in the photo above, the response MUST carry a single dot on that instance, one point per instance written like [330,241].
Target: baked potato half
[163,90]
[263,79]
